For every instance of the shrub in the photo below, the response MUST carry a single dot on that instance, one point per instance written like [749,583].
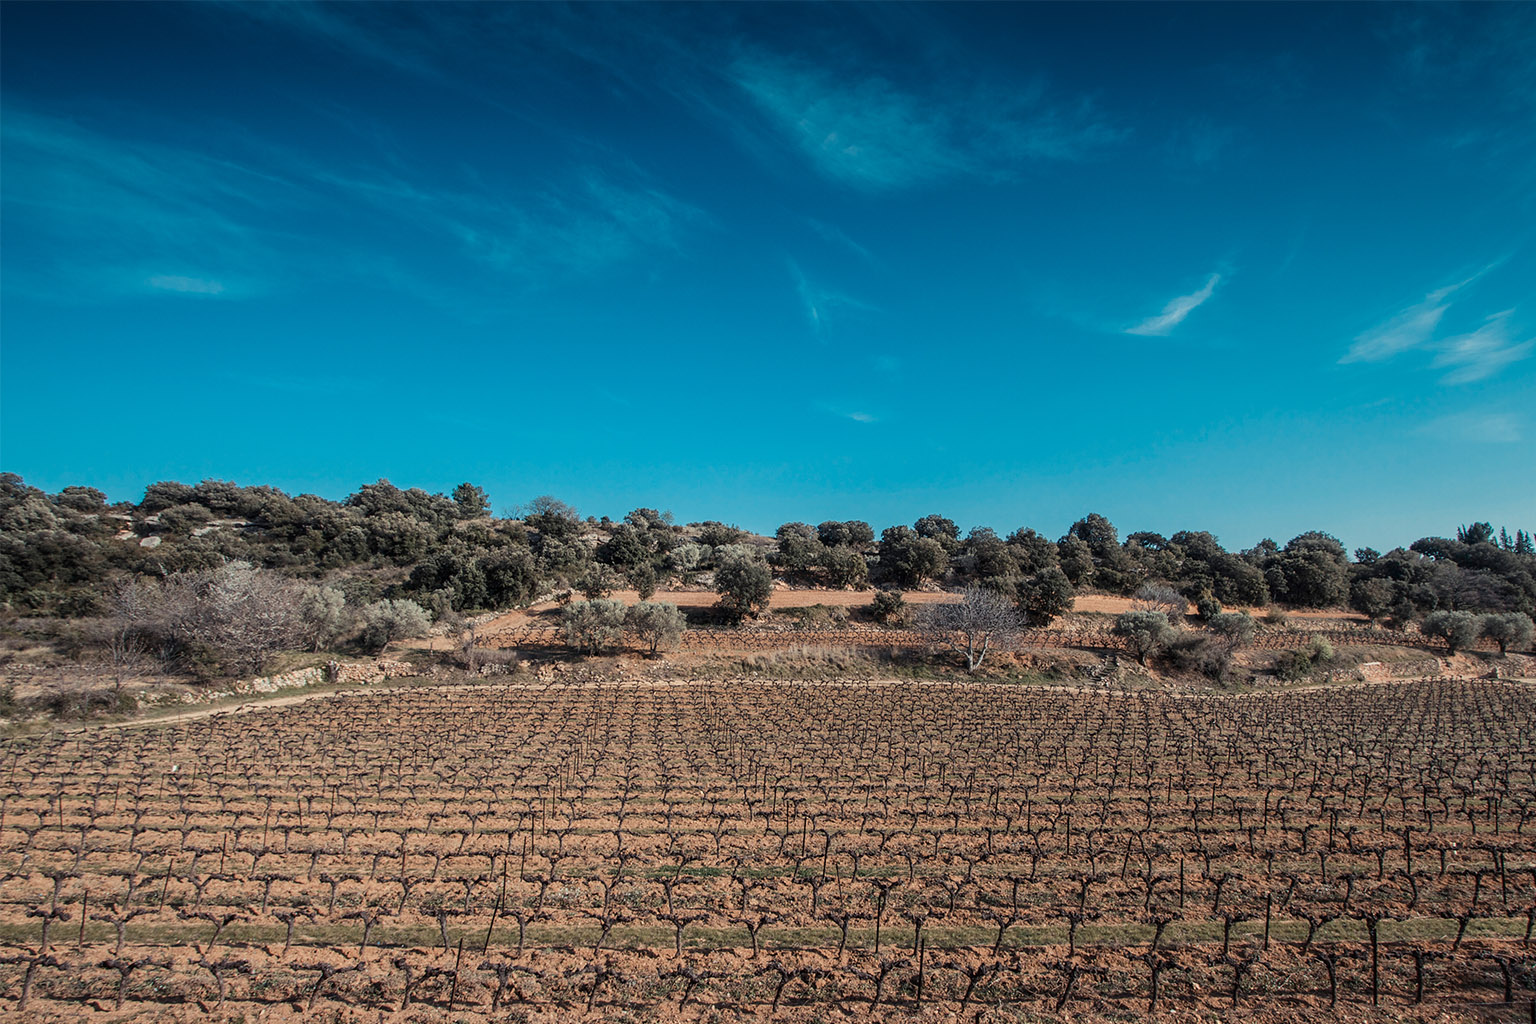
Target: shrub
[1146,632]
[591,626]
[656,624]
[396,619]
[745,586]
[714,535]
[1045,595]
[1191,652]
[1295,665]
[1235,628]
[890,608]
[844,567]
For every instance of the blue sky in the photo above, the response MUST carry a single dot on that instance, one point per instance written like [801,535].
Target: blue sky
[1256,269]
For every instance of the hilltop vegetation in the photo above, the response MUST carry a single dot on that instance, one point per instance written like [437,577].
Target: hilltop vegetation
[216,577]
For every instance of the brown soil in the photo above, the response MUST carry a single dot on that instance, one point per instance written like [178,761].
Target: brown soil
[991,819]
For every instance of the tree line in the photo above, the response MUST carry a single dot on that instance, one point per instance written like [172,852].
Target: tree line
[346,569]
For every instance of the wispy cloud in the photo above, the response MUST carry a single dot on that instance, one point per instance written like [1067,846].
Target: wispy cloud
[123,215]
[187,285]
[836,235]
[868,133]
[1472,356]
[592,224]
[1413,327]
[821,304]
[1177,309]
[1477,427]
[1483,352]
[117,207]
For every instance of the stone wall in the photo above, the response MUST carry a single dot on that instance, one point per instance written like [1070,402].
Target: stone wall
[331,672]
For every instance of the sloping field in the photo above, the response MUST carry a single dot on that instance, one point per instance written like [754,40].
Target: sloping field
[800,851]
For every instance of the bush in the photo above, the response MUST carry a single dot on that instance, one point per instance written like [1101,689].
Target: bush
[1191,652]
[890,608]
[656,624]
[1235,628]
[1146,632]
[1163,598]
[591,626]
[745,586]
[1045,595]
[844,567]
[398,619]
[714,535]
[1295,665]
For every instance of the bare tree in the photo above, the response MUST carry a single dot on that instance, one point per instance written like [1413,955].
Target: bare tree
[255,613]
[980,620]
[125,633]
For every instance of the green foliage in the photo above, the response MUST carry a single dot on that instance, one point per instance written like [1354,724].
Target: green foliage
[1372,597]
[745,586]
[843,566]
[1511,629]
[657,625]
[938,528]
[1311,572]
[908,559]
[593,626]
[472,501]
[1045,595]
[1146,632]
[597,582]
[552,518]
[393,619]
[715,535]
[1459,630]
[890,608]
[1295,666]
[800,550]
[1236,629]
[854,533]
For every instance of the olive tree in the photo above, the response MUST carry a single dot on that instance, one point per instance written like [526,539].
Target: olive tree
[591,626]
[1458,629]
[1145,632]
[656,624]
[393,619]
[1511,629]
[1236,629]
[980,620]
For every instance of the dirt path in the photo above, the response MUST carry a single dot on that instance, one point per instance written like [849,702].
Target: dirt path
[219,710]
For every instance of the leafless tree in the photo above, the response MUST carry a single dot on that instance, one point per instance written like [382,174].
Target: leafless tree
[255,613]
[124,634]
[980,620]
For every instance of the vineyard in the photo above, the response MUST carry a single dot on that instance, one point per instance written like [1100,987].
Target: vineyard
[740,850]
